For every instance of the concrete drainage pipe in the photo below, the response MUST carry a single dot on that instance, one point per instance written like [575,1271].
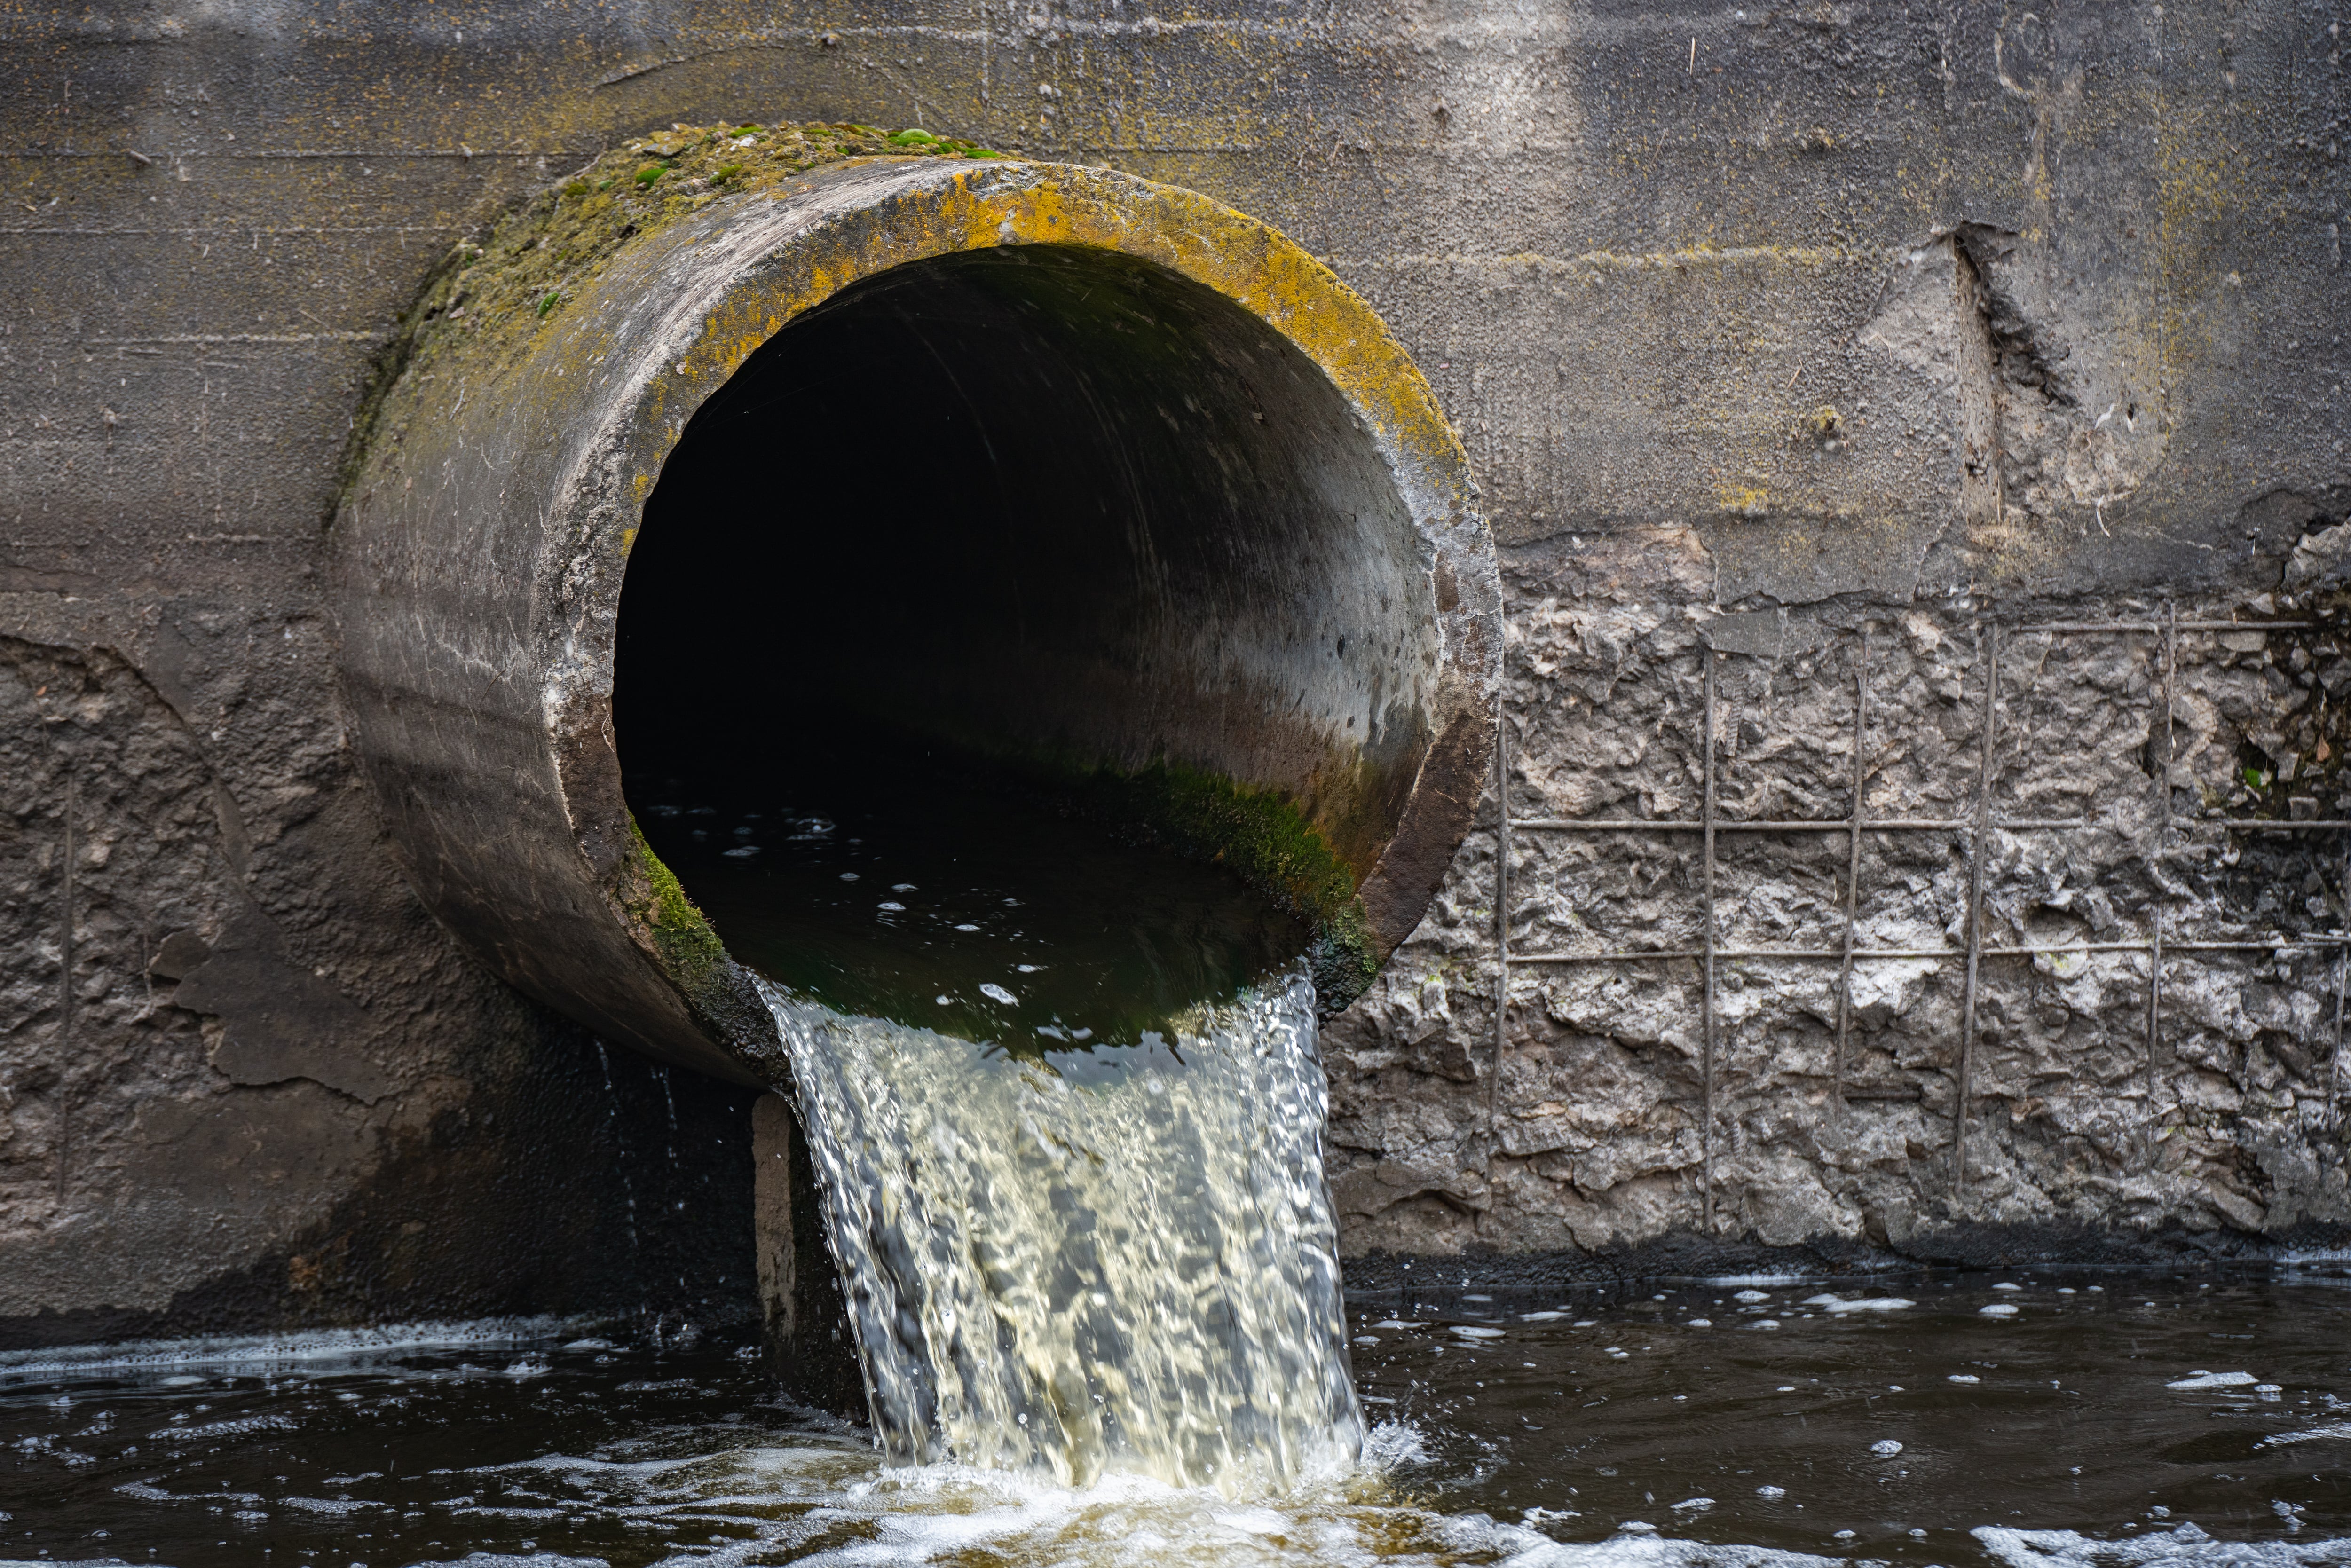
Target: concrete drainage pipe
[1068,462]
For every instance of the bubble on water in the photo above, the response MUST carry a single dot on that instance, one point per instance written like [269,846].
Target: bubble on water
[2213,1380]
[1701,1323]
[1466,1331]
[1770,1494]
[1752,1296]
[1886,1447]
[1997,1309]
[849,876]
[966,927]
[996,993]
[892,905]
[1541,1317]
[2004,1285]
[1694,1505]
[1765,1323]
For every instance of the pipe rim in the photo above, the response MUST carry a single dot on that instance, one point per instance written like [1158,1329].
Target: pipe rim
[665,324]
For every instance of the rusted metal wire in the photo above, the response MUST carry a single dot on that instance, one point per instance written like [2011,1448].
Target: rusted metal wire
[2155,913]
[2176,626]
[1868,954]
[1794,825]
[1705,1059]
[2341,991]
[1978,853]
[1853,867]
[1711,953]
[1501,887]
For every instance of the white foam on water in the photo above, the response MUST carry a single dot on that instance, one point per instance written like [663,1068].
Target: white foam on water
[2332,1431]
[1133,1273]
[2185,1545]
[917,1515]
[513,1560]
[2214,1380]
[1839,1305]
[1647,1550]
[320,1345]
[211,1431]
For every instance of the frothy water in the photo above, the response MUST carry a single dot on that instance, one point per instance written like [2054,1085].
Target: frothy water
[1648,1425]
[1121,1260]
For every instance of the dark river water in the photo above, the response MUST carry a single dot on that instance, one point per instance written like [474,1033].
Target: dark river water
[2017,1419]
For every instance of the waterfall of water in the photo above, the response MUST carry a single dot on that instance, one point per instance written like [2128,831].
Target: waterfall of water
[1118,1261]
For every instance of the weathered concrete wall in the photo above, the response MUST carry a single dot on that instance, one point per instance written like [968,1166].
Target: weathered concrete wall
[1860,305]
[2100,1119]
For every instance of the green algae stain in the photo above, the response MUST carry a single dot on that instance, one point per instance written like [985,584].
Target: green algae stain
[689,948]
[1261,837]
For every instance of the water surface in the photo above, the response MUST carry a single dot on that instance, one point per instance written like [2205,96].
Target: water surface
[2126,1422]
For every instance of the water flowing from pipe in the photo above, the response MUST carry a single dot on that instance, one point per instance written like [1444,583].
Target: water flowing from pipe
[1117,1261]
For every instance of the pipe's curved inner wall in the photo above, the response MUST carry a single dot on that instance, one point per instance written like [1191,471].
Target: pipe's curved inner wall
[1057,505]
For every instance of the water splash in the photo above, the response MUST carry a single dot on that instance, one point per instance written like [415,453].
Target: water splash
[1122,1260]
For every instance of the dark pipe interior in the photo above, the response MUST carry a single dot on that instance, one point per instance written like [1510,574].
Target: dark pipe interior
[1058,508]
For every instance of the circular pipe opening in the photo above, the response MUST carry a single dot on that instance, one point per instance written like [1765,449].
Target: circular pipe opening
[1089,476]
[1055,508]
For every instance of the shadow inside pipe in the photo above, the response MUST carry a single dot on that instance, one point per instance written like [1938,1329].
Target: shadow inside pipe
[889,878]
[954,547]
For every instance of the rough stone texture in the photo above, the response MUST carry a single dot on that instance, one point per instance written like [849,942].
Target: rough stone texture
[1592,1137]
[1671,267]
